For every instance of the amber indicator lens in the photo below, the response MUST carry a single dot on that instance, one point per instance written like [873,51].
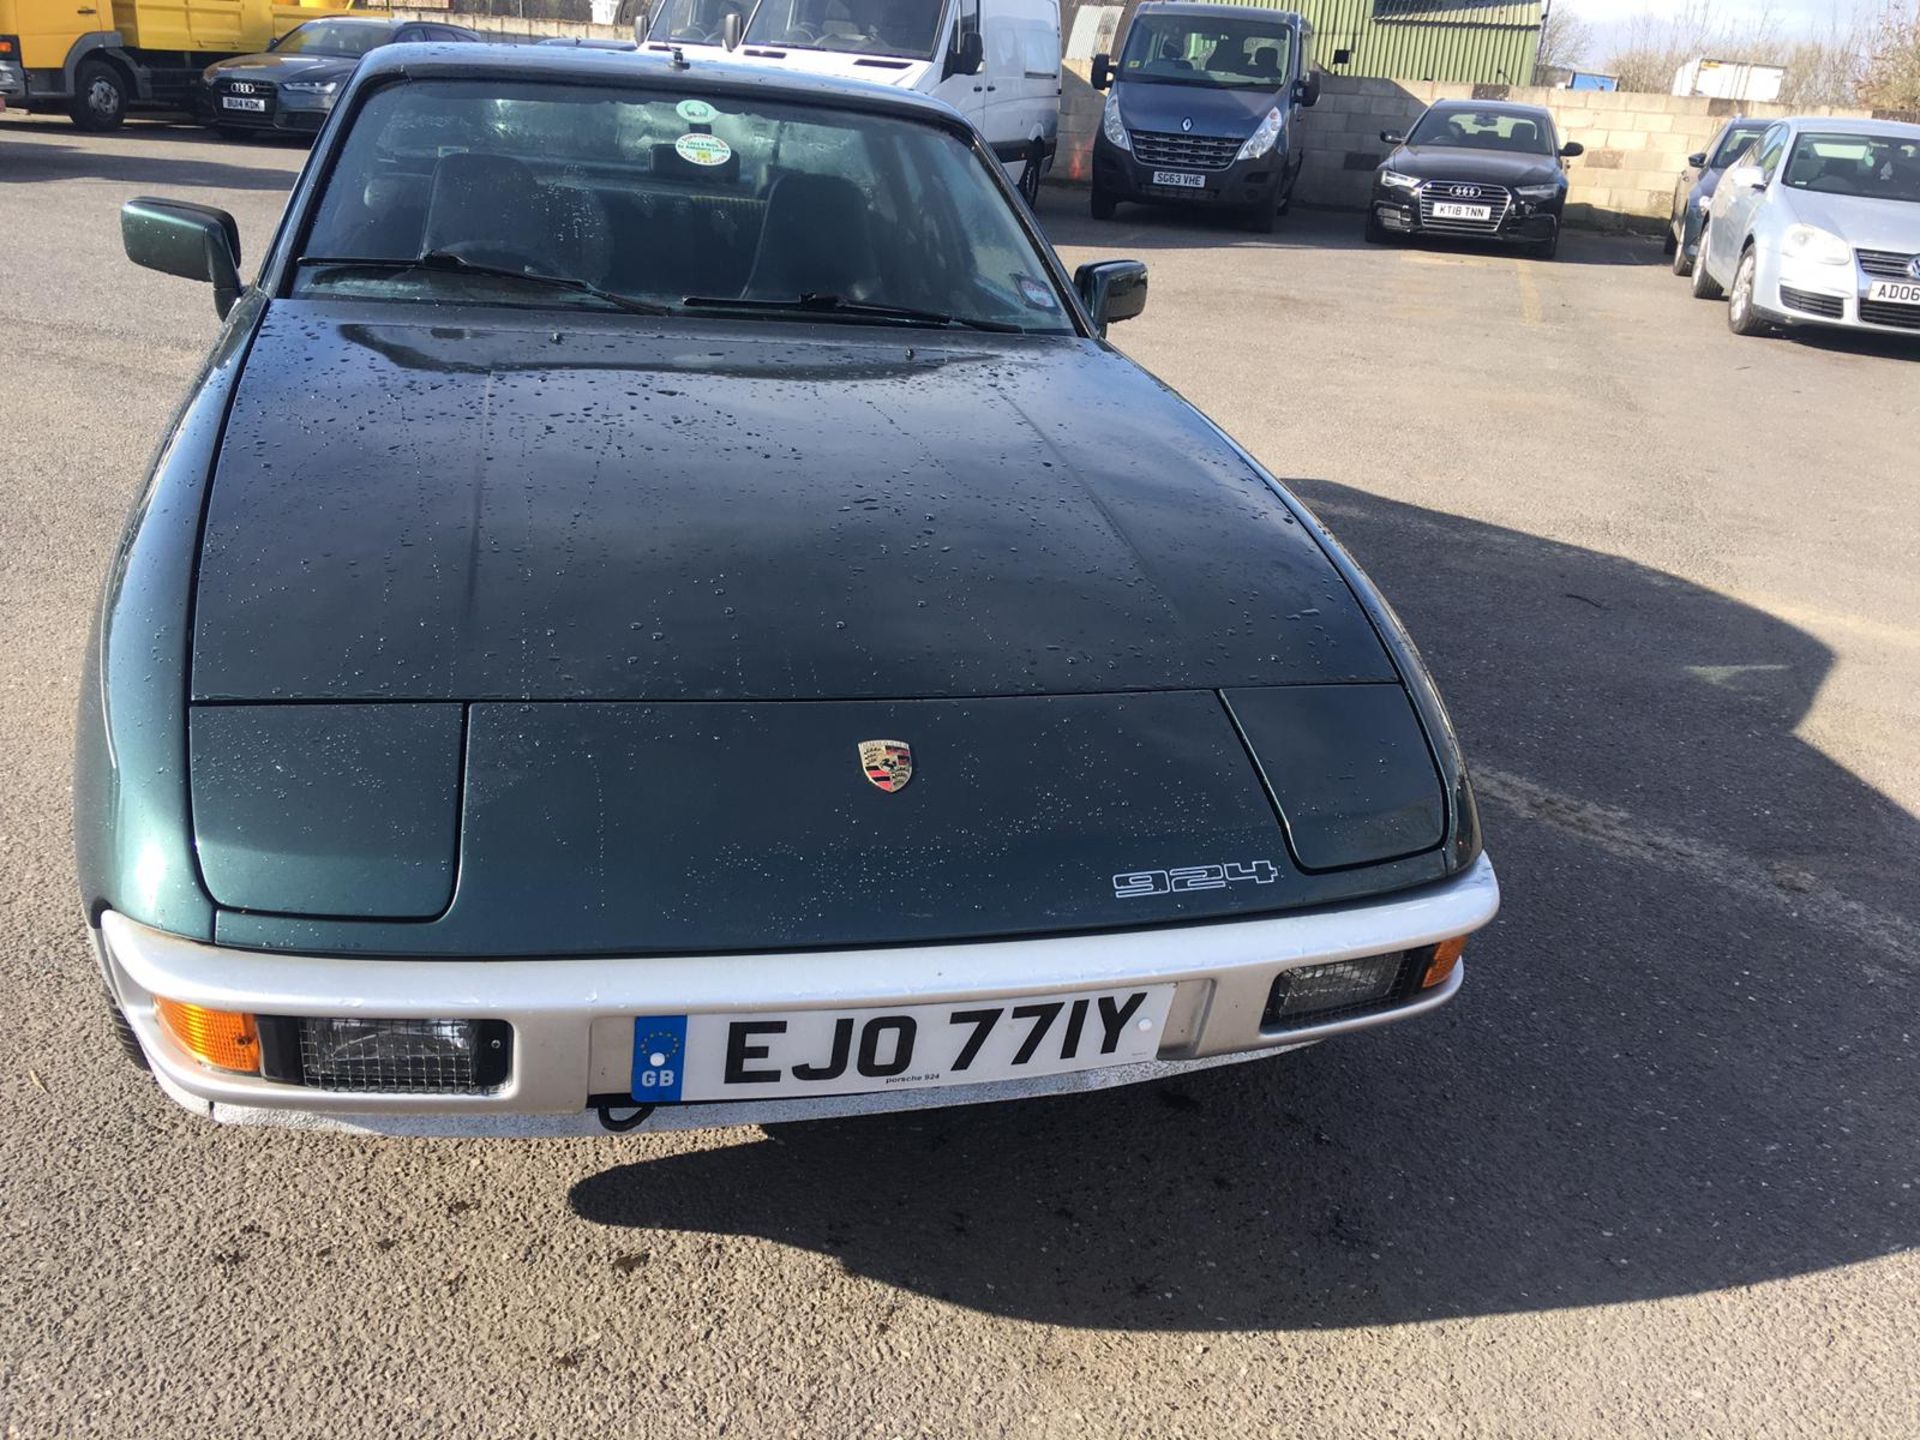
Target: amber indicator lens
[1446,955]
[224,1039]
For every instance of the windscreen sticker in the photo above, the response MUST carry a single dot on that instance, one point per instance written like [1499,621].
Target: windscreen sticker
[1035,294]
[703,149]
[695,112]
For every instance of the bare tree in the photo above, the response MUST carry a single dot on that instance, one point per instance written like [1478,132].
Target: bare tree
[1655,46]
[1565,39]
[1892,75]
[1827,68]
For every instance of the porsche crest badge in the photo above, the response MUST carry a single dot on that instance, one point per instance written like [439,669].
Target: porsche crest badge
[887,763]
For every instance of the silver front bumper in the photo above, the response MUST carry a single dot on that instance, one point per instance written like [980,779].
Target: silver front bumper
[573,1019]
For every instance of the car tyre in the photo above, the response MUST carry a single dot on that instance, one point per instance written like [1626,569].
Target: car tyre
[1743,316]
[1669,244]
[99,96]
[123,1032]
[1030,178]
[1376,232]
[1682,262]
[1102,204]
[1549,248]
[1705,287]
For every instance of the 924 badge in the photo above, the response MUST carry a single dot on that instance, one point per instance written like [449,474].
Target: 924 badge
[1131,884]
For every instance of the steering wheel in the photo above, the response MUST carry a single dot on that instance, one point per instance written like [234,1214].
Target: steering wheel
[801,34]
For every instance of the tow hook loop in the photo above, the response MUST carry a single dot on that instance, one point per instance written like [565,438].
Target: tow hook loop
[620,1124]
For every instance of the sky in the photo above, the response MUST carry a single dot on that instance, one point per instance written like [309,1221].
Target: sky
[1610,18]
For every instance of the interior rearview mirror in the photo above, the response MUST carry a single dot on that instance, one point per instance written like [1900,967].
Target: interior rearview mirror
[968,55]
[1698,160]
[195,242]
[1102,76]
[731,29]
[1112,290]
[1572,148]
[1392,137]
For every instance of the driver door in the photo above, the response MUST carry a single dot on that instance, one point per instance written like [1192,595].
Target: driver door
[965,93]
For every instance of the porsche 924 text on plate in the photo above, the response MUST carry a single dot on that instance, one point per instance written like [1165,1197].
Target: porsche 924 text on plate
[663,596]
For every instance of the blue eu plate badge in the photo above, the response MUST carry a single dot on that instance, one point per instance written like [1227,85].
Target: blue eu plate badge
[659,1057]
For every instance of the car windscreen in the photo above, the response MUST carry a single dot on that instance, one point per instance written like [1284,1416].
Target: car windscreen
[332,37]
[1872,167]
[1735,145]
[908,28]
[1203,50]
[1485,130]
[536,193]
[695,22]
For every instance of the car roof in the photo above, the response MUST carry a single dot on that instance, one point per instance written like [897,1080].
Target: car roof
[370,22]
[646,68]
[1493,107]
[1235,12]
[1835,125]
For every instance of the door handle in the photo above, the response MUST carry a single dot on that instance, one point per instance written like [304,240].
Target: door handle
[88,11]
[991,87]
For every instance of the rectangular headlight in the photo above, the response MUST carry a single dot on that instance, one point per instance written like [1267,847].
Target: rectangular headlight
[398,1057]
[1314,994]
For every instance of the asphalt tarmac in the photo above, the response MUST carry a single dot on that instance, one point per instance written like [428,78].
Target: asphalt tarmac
[1652,1174]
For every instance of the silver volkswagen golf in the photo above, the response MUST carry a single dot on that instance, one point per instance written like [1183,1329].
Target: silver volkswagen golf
[1819,224]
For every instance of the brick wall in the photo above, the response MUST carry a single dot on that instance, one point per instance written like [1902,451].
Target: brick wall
[1637,144]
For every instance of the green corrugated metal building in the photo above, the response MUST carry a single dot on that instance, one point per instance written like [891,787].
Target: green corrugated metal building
[1470,42]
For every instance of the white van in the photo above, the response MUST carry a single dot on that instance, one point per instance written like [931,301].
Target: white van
[995,61]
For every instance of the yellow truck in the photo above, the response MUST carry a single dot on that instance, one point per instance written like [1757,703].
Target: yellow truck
[96,59]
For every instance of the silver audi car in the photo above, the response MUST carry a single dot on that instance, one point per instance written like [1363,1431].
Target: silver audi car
[1819,225]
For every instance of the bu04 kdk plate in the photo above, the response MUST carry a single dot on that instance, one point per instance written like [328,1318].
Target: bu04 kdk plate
[772,1054]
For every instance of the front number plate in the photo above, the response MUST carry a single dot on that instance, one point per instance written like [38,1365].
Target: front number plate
[241,102]
[1895,292]
[1184,179]
[785,1054]
[1453,210]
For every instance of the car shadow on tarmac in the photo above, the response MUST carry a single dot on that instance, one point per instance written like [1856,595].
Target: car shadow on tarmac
[34,151]
[1137,228]
[1682,1062]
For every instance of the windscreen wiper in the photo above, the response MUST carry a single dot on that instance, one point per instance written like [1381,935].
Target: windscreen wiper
[818,302]
[448,260]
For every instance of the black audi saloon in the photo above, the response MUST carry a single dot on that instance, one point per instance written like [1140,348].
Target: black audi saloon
[1475,170]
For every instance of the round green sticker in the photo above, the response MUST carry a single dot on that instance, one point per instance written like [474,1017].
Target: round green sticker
[703,149]
[695,112]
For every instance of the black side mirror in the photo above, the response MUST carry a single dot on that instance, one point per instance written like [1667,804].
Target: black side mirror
[731,29]
[1306,93]
[1392,137]
[1112,290]
[968,54]
[195,242]
[1572,148]
[1102,76]
[1698,160]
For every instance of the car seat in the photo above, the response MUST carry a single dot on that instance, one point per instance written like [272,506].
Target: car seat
[814,239]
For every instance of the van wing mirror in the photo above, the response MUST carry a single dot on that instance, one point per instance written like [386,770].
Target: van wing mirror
[1306,93]
[731,29]
[1112,290]
[1102,76]
[177,237]
[968,55]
